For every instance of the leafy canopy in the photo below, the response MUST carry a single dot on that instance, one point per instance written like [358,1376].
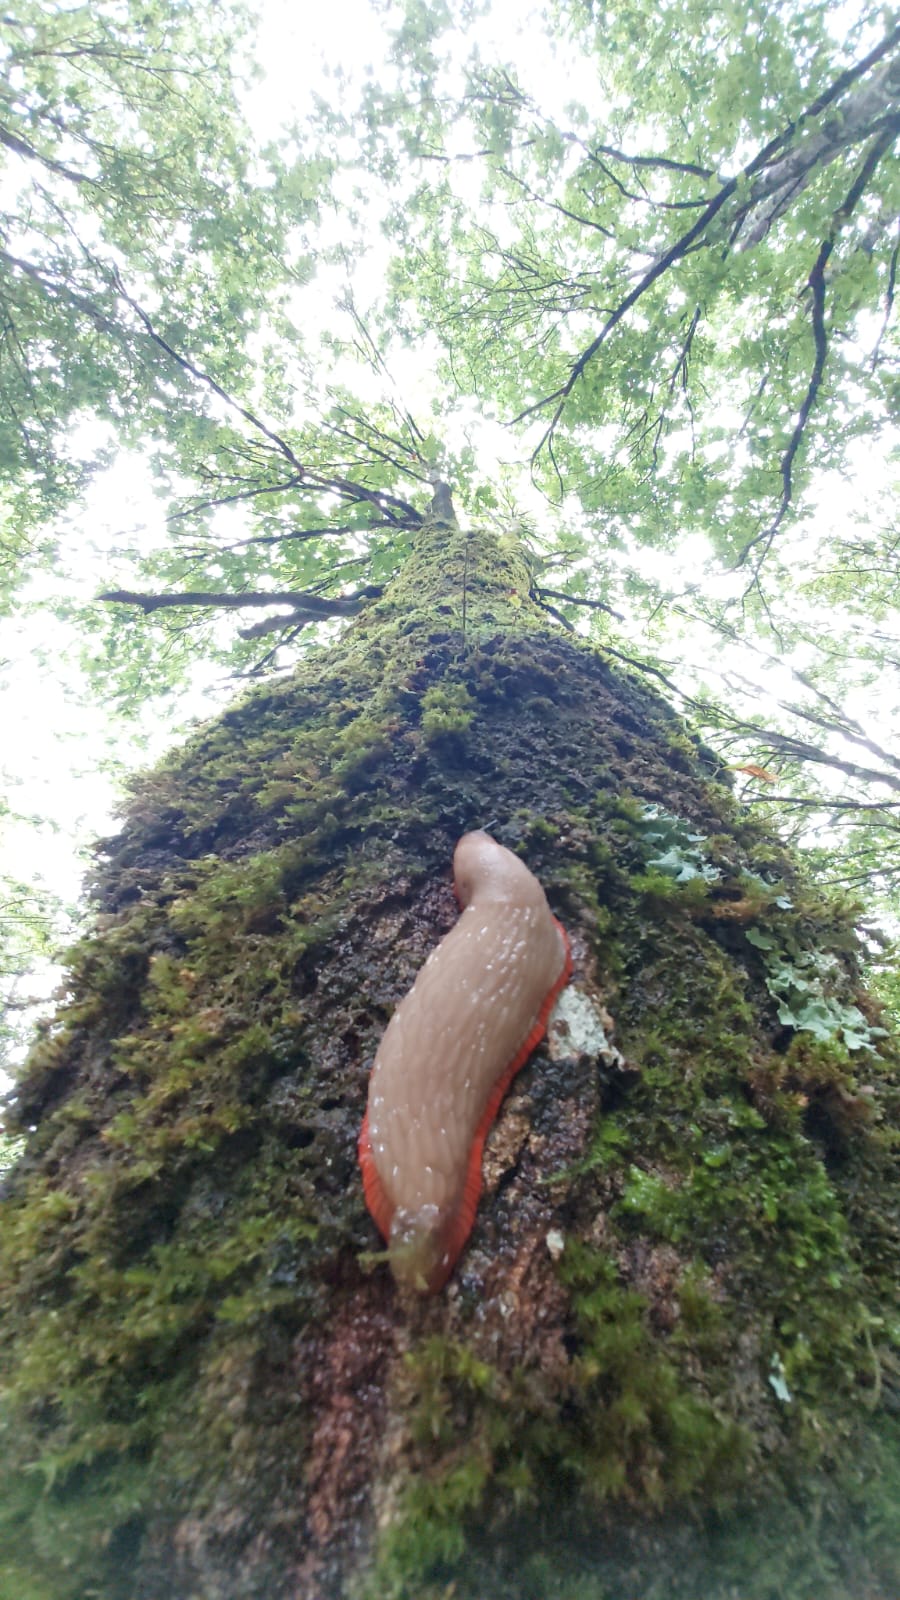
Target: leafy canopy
[652,250]
[128,177]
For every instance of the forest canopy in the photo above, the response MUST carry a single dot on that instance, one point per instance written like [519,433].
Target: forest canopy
[624,276]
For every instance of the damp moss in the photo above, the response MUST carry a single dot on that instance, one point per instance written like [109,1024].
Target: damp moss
[836,1535]
[658,887]
[730,1170]
[185,1315]
[443,1381]
[651,1438]
[447,710]
[621,1425]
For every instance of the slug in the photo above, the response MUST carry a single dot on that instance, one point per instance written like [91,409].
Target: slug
[477,1009]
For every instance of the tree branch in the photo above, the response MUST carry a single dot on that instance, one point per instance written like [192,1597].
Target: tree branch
[888,303]
[293,482]
[313,606]
[29,153]
[539,593]
[872,110]
[665,163]
[817,286]
[764,159]
[338,485]
[795,749]
[553,205]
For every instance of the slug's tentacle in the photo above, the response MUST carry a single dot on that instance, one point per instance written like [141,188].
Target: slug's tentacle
[479,1006]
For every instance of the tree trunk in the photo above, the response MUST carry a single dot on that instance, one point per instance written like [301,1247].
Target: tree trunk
[659,1368]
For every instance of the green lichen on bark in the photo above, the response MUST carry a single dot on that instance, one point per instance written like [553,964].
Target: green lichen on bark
[209,1386]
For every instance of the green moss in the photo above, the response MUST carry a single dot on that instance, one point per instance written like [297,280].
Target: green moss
[447,709]
[660,887]
[277,795]
[430,1529]
[79,1541]
[650,1436]
[546,1576]
[181,1242]
[834,1536]
[541,829]
[444,1380]
[625,1427]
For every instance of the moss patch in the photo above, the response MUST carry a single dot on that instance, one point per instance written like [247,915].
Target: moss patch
[208,1390]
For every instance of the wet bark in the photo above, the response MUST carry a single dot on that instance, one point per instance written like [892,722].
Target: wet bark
[665,1344]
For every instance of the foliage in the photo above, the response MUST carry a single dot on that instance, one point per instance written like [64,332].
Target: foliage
[721,343]
[128,177]
[678,855]
[665,258]
[678,275]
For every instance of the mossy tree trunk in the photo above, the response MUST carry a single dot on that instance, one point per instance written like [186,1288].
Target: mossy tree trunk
[676,1297]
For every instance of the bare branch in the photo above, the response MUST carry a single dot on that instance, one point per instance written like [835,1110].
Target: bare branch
[258,630]
[292,482]
[664,163]
[554,613]
[312,533]
[266,660]
[795,749]
[829,805]
[539,593]
[378,364]
[553,205]
[817,284]
[313,606]
[29,153]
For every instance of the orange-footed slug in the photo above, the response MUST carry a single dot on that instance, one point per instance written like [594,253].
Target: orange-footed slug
[477,1009]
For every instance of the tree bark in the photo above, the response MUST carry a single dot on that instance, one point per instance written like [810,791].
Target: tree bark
[660,1365]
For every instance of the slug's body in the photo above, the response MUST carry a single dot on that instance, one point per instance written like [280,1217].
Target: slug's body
[476,1011]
